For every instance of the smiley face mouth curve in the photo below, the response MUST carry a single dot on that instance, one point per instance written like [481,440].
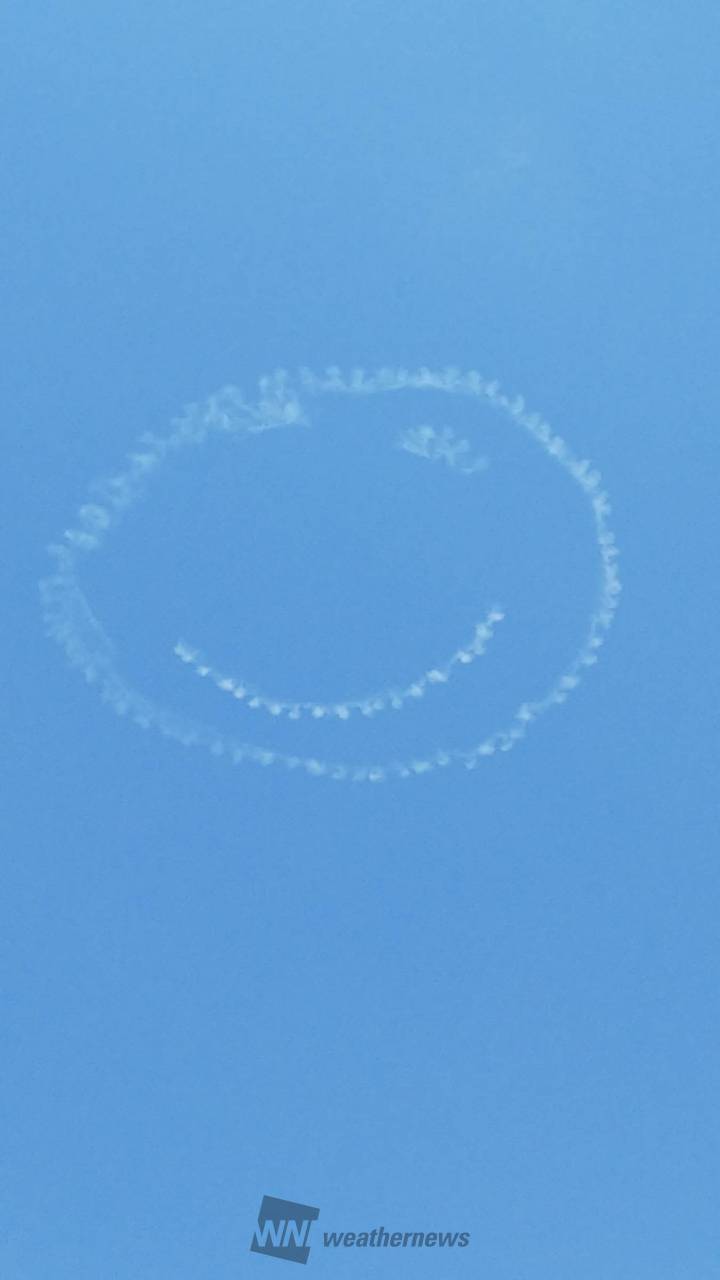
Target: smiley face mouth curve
[71,621]
[369,705]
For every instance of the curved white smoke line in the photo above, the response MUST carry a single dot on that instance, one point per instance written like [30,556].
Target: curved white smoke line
[368,706]
[71,621]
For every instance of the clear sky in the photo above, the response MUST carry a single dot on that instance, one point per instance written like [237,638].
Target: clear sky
[479,1001]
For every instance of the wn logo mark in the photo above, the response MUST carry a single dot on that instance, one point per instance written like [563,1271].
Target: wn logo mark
[283,1229]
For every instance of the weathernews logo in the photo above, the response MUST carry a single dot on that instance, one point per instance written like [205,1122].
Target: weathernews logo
[283,1229]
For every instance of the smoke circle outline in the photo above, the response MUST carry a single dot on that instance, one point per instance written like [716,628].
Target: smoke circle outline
[70,619]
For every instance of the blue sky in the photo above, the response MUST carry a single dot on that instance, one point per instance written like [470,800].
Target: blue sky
[477,1001]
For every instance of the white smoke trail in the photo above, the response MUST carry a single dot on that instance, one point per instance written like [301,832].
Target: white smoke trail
[368,706]
[71,621]
[443,446]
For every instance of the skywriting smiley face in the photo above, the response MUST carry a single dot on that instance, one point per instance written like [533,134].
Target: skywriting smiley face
[288,406]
